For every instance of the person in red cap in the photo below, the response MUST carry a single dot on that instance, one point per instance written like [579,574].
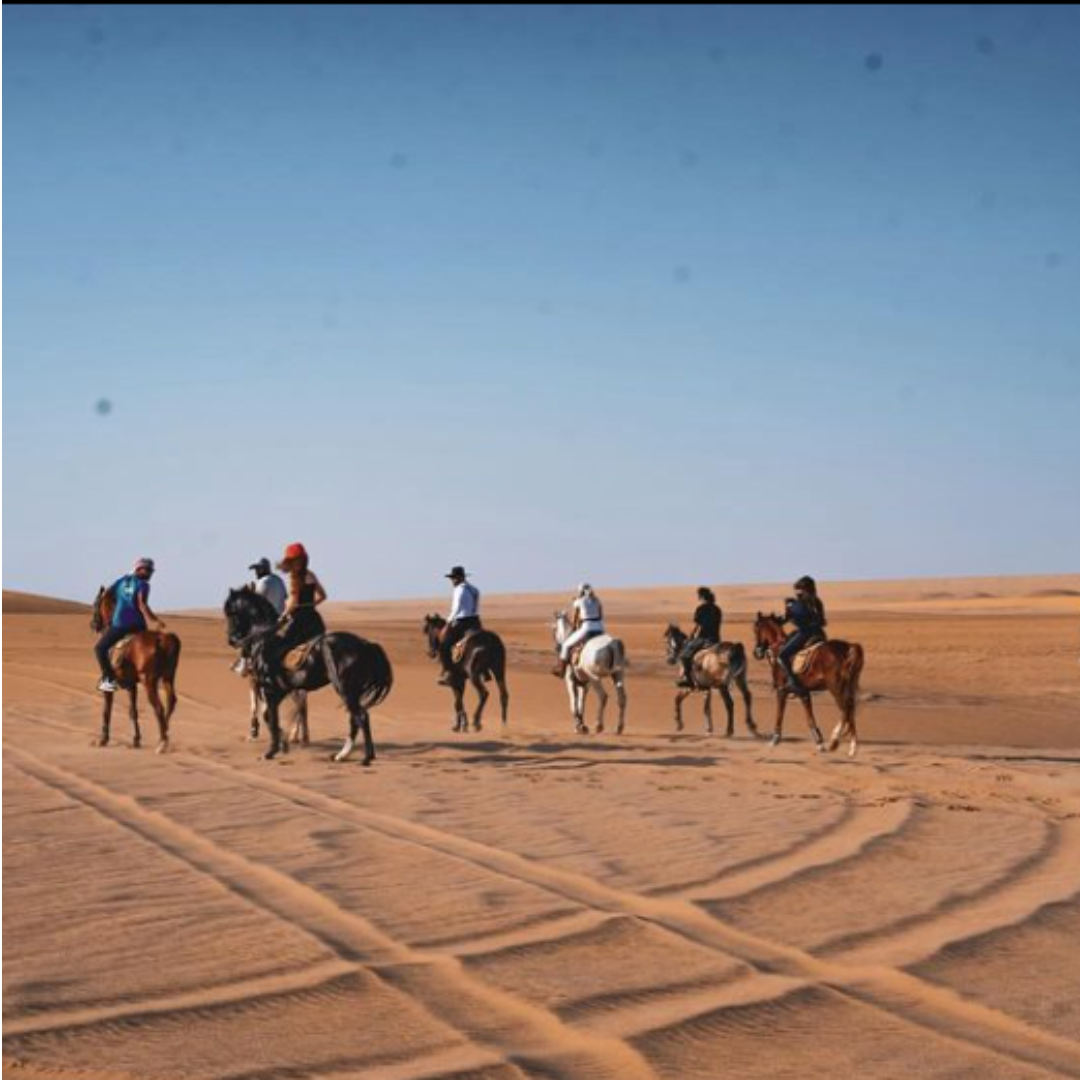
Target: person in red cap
[300,621]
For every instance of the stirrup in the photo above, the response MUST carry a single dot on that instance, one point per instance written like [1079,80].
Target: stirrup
[108,686]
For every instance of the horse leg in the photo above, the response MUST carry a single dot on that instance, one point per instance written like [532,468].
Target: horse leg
[707,709]
[808,706]
[577,704]
[748,700]
[256,707]
[106,720]
[461,720]
[620,696]
[354,729]
[369,742]
[601,693]
[680,697]
[781,708]
[273,725]
[504,699]
[483,693]
[133,712]
[298,704]
[729,705]
[159,712]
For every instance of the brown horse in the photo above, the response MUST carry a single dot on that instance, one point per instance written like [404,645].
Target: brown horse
[149,657]
[835,666]
[714,667]
[483,657]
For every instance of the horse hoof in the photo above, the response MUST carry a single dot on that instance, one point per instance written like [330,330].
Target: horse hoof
[775,740]
[99,744]
[269,755]
[366,763]
[162,748]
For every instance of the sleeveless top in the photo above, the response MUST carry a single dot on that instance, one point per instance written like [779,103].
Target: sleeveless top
[591,611]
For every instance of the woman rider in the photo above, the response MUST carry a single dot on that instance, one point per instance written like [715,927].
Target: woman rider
[300,621]
[706,633]
[807,612]
[587,621]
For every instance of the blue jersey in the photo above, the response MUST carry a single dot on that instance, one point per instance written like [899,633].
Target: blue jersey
[127,615]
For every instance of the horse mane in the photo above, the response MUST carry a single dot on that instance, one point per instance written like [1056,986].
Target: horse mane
[262,606]
[435,621]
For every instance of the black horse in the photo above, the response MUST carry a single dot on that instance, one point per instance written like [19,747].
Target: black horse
[483,657]
[358,670]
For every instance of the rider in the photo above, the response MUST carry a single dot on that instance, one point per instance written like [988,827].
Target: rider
[300,621]
[807,612]
[587,621]
[464,618]
[131,614]
[271,588]
[268,585]
[706,633]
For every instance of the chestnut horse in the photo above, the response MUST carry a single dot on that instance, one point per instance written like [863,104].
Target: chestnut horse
[714,667]
[836,666]
[150,657]
[483,657]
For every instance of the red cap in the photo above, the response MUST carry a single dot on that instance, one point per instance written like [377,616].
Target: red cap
[295,551]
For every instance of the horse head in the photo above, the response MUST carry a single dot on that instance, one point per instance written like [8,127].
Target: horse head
[560,627]
[246,612]
[434,625]
[97,617]
[768,633]
[674,639]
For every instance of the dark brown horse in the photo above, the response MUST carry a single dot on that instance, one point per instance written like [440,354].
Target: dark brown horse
[149,657]
[483,657]
[714,667]
[835,666]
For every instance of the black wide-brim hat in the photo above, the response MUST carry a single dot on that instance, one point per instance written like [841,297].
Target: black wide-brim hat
[262,566]
[457,571]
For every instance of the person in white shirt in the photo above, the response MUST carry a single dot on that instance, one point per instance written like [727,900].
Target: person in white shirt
[267,584]
[588,621]
[464,618]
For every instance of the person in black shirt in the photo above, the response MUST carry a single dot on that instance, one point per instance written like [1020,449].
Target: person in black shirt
[706,633]
[807,613]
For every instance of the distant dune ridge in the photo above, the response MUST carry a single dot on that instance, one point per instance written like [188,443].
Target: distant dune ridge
[21,603]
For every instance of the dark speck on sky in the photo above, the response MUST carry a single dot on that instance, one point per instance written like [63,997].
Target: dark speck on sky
[985,45]
[874,61]
[103,406]
[681,274]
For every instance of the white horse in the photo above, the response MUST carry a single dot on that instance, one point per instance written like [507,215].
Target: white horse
[603,657]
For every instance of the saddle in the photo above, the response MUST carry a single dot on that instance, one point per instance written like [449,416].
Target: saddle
[118,655]
[457,653]
[295,659]
[579,648]
[805,657]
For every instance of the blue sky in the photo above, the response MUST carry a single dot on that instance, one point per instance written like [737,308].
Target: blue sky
[640,295]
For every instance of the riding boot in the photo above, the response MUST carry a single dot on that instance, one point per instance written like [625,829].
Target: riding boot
[559,670]
[686,682]
[446,678]
[793,685]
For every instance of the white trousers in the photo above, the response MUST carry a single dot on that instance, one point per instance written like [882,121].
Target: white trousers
[578,635]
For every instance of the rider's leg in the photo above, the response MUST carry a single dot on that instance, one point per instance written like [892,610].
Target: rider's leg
[451,636]
[564,651]
[786,655]
[104,644]
[686,658]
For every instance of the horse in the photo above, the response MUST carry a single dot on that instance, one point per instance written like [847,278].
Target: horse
[483,658]
[835,666]
[716,666]
[601,657]
[358,670]
[150,657]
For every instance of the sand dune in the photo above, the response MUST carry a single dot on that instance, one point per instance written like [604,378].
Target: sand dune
[528,902]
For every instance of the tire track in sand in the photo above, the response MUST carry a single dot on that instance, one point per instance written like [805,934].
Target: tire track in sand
[908,999]
[520,1034]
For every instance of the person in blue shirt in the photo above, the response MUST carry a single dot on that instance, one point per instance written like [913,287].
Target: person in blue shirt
[131,614]
[807,613]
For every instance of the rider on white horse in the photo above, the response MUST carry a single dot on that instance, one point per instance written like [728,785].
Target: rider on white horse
[588,621]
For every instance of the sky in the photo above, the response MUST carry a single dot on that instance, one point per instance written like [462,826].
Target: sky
[636,295]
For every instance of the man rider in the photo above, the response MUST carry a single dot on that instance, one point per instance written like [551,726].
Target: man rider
[130,616]
[587,621]
[268,585]
[807,612]
[464,618]
[706,633]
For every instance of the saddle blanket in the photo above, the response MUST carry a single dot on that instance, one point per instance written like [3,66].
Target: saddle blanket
[805,657]
[118,657]
[457,653]
[295,659]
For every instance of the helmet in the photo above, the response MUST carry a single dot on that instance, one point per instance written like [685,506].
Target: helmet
[584,588]
[295,551]
[143,564]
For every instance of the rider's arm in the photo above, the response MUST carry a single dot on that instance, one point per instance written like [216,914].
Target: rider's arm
[455,603]
[147,614]
[320,592]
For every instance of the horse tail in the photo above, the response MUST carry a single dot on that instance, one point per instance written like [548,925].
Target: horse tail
[736,661]
[375,679]
[170,648]
[850,673]
[495,668]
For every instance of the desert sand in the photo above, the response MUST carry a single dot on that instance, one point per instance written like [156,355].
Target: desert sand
[527,902]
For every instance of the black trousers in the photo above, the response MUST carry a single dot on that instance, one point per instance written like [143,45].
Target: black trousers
[104,643]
